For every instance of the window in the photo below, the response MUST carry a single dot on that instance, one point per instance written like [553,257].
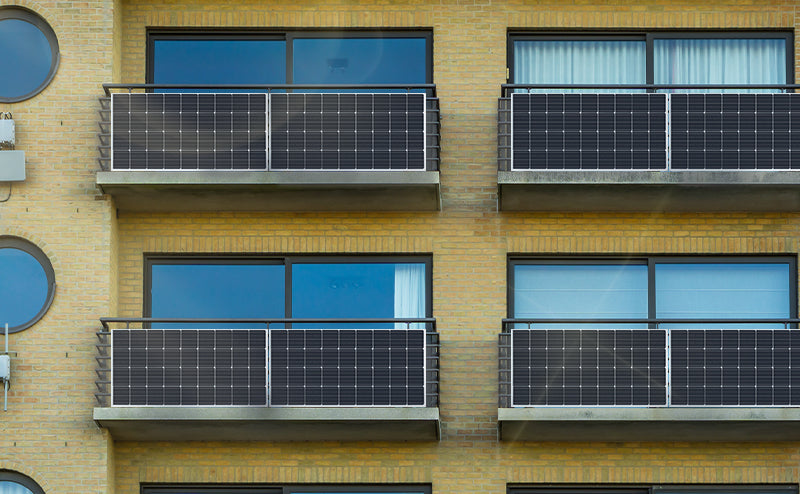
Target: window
[16,483]
[661,489]
[30,52]
[295,287]
[654,288]
[353,57]
[653,58]
[27,284]
[290,489]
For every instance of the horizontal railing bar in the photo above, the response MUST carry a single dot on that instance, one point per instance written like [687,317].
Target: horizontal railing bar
[506,87]
[649,321]
[105,321]
[268,87]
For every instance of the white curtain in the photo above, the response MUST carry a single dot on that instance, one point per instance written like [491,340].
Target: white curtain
[409,293]
[720,61]
[579,62]
[8,487]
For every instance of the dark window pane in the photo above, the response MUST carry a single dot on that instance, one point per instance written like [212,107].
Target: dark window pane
[219,61]
[217,291]
[359,61]
[23,287]
[368,290]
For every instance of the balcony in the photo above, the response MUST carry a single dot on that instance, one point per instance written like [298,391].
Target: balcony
[647,380]
[648,151]
[270,148]
[373,379]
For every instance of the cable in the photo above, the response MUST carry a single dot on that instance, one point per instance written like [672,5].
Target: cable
[10,185]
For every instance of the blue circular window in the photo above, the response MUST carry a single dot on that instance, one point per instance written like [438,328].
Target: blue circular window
[27,284]
[16,483]
[30,54]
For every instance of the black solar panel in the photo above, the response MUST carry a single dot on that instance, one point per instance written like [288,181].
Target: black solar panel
[189,367]
[155,131]
[344,367]
[735,131]
[333,131]
[588,367]
[735,367]
[589,131]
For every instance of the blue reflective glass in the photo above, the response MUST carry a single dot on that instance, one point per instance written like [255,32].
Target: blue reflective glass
[722,291]
[359,61]
[23,287]
[353,290]
[219,61]
[27,58]
[580,291]
[217,291]
[9,487]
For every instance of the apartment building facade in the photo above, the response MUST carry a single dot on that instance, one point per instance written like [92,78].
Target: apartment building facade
[400,246]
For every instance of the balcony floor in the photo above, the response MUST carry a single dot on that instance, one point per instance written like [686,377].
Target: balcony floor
[291,191]
[269,424]
[669,191]
[632,424]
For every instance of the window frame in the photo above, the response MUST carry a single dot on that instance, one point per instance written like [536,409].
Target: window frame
[28,15]
[287,262]
[154,34]
[34,251]
[650,261]
[648,38]
[21,479]
[654,489]
[145,488]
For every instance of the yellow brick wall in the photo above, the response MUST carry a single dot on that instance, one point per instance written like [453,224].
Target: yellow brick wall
[98,259]
[47,432]
[469,241]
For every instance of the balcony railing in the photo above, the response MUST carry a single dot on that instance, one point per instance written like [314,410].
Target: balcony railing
[277,127]
[649,363]
[648,127]
[268,362]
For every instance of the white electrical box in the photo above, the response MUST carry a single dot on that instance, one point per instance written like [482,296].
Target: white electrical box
[7,137]
[12,165]
[5,368]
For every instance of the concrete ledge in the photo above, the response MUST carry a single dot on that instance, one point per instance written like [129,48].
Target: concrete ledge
[625,424]
[269,424]
[165,191]
[671,191]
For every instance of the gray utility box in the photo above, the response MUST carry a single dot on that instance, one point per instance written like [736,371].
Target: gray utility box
[12,166]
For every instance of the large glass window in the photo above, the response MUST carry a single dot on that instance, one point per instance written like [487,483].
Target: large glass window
[27,284]
[653,58]
[658,288]
[218,60]
[579,61]
[298,287]
[291,489]
[30,54]
[355,57]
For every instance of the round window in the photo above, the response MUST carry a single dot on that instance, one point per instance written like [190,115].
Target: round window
[16,483]
[30,54]
[27,284]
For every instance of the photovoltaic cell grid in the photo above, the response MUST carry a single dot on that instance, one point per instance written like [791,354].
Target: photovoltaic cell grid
[735,367]
[156,131]
[589,131]
[588,367]
[347,367]
[189,367]
[334,131]
[735,131]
